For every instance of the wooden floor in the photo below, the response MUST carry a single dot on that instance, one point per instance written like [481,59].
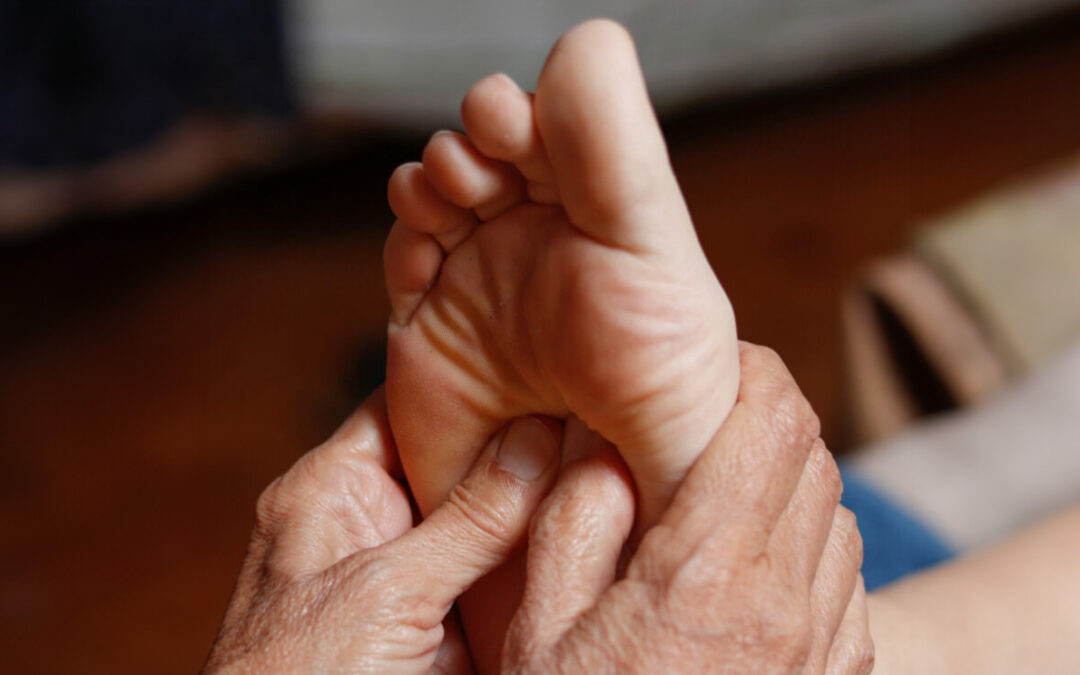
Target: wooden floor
[157,370]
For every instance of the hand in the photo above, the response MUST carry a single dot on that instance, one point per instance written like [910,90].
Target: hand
[336,577]
[753,568]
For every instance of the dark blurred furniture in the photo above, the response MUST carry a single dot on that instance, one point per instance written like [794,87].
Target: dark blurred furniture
[157,370]
[81,82]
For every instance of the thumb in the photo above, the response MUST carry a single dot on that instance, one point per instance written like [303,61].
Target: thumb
[485,517]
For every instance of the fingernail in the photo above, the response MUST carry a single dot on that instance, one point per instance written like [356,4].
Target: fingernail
[527,448]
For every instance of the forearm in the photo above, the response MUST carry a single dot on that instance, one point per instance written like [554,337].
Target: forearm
[1012,608]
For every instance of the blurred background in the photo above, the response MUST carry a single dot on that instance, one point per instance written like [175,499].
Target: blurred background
[192,209]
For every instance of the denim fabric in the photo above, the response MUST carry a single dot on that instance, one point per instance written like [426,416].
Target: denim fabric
[895,544]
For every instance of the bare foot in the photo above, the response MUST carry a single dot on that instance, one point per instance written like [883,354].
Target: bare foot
[545,263]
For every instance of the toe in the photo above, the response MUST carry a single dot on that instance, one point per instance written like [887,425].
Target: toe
[603,140]
[421,207]
[498,117]
[411,262]
[468,178]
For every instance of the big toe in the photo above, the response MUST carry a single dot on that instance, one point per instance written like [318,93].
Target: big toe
[603,140]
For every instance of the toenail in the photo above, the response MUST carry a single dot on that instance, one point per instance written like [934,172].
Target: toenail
[509,79]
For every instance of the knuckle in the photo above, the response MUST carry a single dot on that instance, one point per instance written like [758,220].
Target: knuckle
[293,493]
[847,529]
[478,514]
[272,507]
[864,657]
[686,585]
[759,358]
[847,523]
[857,657]
[763,367]
[830,473]
[794,414]
[587,503]
[786,412]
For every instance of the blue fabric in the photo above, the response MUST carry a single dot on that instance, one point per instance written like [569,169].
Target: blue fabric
[895,544]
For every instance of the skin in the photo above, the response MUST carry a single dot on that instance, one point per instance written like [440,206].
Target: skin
[545,263]
[338,579]
[768,583]
[1013,608]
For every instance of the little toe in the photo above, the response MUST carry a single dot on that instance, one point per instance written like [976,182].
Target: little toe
[604,142]
[470,179]
[419,206]
[411,263]
[498,117]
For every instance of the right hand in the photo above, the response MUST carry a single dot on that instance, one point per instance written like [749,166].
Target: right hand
[753,569]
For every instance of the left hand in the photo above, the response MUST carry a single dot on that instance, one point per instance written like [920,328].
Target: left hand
[753,568]
[337,578]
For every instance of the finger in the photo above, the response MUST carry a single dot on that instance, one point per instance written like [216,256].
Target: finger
[334,501]
[852,651]
[574,546]
[835,587]
[804,528]
[453,657]
[482,521]
[742,482]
